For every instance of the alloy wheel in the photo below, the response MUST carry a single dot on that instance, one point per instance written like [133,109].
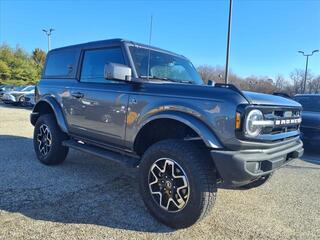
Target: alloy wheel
[44,139]
[169,185]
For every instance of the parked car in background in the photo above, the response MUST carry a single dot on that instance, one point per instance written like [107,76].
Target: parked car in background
[16,96]
[5,88]
[310,126]
[27,100]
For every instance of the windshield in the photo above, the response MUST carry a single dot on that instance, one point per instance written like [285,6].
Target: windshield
[27,89]
[309,103]
[164,66]
[19,88]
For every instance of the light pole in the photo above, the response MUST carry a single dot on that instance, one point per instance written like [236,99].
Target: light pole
[48,33]
[307,62]
[228,43]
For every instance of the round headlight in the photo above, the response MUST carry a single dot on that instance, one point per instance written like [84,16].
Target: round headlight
[251,129]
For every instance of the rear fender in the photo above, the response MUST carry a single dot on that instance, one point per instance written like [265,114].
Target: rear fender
[49,104]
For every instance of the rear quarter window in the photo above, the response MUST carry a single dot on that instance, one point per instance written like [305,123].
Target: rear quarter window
[61,64]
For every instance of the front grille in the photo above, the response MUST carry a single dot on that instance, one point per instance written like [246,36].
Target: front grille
[287,120]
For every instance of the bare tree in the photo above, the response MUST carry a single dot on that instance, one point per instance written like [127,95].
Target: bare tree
[297,76]
[290,86]
[315,85]
[211,73]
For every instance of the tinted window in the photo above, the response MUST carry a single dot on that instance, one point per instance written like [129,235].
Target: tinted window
[61,63]
[94,62]
[29,88]
[309,103]
[163,66]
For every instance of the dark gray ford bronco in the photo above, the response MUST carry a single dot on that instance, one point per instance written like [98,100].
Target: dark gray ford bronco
[148,108]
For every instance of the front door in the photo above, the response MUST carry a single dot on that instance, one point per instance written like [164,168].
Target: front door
[99,106]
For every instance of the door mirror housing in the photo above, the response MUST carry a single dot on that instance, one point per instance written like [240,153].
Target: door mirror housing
[115,71]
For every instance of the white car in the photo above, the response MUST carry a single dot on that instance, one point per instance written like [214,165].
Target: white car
[16,96]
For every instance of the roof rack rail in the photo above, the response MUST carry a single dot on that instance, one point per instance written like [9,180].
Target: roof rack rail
[232,87]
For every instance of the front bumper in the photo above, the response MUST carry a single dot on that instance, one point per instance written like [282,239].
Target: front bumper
[238,168]
[8,98]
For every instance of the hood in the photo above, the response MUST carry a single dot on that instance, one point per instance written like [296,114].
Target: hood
[19,92]
[14,92]
[268,99]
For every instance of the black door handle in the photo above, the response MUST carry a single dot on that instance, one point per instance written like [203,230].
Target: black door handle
[77,94]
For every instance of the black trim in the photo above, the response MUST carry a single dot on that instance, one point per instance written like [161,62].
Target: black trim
[232,87]
[238,168]
[114,148]
[103,153]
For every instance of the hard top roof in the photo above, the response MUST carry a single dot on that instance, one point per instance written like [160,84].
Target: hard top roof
[115,41]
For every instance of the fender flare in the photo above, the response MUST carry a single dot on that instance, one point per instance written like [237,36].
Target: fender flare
[205,133]
[56,109]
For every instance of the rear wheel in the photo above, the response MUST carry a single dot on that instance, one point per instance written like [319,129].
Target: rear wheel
[177,182]
[47,140]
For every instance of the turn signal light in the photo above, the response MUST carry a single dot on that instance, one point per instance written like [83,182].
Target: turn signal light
[238,120]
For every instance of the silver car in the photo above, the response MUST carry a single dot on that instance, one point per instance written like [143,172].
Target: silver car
[27,100]
[16,96]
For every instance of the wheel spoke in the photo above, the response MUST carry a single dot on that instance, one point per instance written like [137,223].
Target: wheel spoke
[168,184]
[44,139]
[39,136]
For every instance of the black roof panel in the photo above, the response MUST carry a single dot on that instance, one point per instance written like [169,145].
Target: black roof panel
[115,41]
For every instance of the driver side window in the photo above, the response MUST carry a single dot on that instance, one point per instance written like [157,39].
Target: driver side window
[94,62]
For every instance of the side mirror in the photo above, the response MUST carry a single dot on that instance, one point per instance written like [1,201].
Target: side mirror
[115,71]
[211,83]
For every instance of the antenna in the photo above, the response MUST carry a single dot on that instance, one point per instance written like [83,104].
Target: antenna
[150,35]
[228,43]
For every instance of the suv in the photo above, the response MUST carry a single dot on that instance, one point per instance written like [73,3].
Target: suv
[148,108]
[310,126]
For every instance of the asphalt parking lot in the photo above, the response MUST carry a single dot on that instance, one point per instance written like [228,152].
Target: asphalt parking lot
[91,198]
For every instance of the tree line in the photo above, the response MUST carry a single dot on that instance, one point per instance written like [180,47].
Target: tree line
[291,86]
[17,67]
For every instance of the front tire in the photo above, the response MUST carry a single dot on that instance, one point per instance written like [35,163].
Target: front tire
[47,141]
[177,182]
[22,101]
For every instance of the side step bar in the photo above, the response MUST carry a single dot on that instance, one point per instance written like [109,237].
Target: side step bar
[103,153]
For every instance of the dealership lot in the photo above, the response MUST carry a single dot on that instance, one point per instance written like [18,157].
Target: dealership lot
[90,198]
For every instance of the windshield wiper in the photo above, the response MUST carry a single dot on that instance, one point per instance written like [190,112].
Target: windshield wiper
[166,79]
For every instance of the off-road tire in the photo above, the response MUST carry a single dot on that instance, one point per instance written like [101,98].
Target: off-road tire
[201,174]
[57,152]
